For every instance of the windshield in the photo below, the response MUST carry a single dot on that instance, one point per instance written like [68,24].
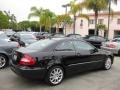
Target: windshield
[41,44]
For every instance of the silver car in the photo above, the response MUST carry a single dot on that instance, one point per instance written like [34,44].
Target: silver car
[113,46]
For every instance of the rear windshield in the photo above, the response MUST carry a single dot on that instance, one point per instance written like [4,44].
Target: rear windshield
[41,44]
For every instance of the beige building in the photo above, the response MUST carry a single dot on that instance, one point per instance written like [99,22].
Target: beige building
[85,27]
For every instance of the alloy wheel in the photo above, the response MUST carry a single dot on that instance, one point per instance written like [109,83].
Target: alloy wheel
[108,63]
[56,76]
[2,61]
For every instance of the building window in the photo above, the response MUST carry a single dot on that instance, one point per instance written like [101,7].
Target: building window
[81,23]
[91,21]
[100,21]
[118,21]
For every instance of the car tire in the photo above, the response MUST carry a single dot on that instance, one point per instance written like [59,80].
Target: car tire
[3,61]
[107,64]
[55,75]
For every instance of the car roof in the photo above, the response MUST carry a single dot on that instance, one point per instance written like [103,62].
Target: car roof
[65,39]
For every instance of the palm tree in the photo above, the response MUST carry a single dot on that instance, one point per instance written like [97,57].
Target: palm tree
[35,12]
[63,19]
[109,7]
[12,20]
[101,27]
[48,19]
[96,6]
[74,9]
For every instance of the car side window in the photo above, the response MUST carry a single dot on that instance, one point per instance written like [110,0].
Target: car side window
[65,46]
[80,45]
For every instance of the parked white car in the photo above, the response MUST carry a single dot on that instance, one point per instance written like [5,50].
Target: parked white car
[113,46]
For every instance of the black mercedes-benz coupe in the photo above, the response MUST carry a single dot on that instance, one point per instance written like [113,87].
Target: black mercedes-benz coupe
[52,59]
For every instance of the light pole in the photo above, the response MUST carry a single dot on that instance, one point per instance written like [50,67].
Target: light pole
[66,9]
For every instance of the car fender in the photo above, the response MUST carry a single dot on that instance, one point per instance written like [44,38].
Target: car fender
[55,62]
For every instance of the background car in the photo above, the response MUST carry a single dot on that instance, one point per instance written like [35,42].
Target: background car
[6,49]
[74,35]
[40,35]
[9,33]
[113,46]
[24,38]
[47,35]
[95,40]
[52,59]
[57,35]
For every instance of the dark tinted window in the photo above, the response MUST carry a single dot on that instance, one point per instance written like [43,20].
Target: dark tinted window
[118,21]
[41,44]
[67,46]
[80,45]
[100,21]
[91,21]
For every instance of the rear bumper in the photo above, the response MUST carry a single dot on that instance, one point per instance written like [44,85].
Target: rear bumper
[114,51]
[31,73]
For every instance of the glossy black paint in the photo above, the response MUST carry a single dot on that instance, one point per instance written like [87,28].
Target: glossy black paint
[71,60]
[96,40]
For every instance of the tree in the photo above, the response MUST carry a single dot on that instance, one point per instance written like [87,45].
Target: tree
[24,25]
[101,27]
[34,25]
[96,6]
[35,12]
[4,21]
[47,19]
[109,9]
[74,8]
[63,19]
[12,20]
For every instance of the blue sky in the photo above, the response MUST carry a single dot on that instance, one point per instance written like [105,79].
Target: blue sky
[21,8]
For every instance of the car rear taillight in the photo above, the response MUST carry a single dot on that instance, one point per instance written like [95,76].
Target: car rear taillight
[27,60]
[110,45]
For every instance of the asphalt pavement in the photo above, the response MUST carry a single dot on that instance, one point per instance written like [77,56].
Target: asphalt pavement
[92,80]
